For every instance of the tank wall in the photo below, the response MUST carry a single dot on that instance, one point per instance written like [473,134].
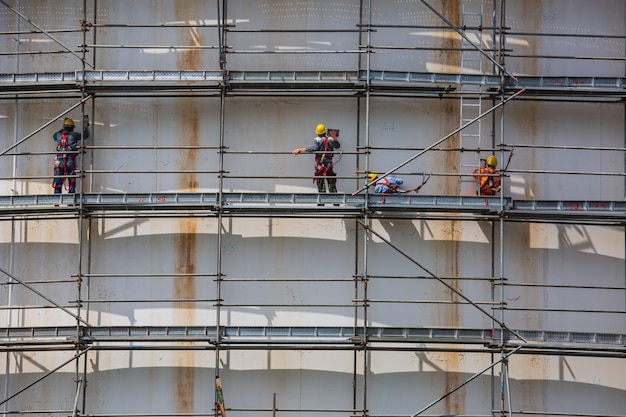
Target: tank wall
[148,271]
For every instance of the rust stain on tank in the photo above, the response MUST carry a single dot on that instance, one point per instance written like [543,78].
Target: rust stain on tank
[190,59]
[185,377]
[450,60]
[185,243]
[532,13]
[185,249]
[454,404]
[451,316]
[450,111]
[451,160]
[188,181]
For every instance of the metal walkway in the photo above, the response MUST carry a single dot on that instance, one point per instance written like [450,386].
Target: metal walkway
[268,203]
[415,82]
[353,338]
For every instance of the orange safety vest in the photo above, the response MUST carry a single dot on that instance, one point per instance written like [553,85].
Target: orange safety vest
[489,185]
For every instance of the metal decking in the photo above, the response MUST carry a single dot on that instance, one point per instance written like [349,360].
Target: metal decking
[429,83]
[339,337]
[275,203]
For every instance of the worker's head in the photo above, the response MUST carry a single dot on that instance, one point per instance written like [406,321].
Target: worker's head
[492,161]
[371,177]
[68,124]
[320,129]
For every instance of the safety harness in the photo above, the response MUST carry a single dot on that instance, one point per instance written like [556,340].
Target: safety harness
[509,160]
[393,188]
[320,168]
[61,162]
[425,178]
[491,185]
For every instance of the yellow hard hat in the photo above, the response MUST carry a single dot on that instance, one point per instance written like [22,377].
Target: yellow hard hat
[371,177]
[68,122]
[492,161]
[320,129]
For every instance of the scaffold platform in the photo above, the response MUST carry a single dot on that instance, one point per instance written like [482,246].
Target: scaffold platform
[427,82]
[268,203]
[339,336]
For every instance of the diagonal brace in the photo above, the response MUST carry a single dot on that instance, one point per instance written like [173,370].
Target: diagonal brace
[448,286]
[448,136]
[45,125]
[17,12]
[47,374]
[478,48]
[476,375]
[45,298]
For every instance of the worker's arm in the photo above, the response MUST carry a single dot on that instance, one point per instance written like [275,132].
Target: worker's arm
[313,148]
[380,189]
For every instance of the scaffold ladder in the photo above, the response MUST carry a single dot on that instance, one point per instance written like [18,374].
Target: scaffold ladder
[471,99]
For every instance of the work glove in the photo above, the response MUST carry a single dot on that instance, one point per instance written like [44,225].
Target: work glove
[298,150]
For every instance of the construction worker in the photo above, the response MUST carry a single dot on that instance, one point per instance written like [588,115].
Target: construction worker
[323,143]
[387,185]
[488,184]
[65,161]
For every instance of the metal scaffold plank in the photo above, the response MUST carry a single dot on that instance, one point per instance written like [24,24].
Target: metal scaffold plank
[309,334]
[348,203]
[577,85]
[570,208]
[292,79]
[121,80]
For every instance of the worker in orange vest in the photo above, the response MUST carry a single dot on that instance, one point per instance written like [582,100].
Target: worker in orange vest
[489,182]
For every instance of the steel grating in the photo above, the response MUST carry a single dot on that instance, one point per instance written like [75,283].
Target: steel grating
[310,334]
[608,211]
[120,80]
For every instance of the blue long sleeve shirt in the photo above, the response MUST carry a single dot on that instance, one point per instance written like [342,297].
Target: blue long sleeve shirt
[72,138]
[322,143]
[388,185]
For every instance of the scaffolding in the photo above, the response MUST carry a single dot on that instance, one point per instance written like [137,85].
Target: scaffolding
[474,42]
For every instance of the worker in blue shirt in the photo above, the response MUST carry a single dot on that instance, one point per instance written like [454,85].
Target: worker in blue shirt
[324,164]
[65,161]
[387,185]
